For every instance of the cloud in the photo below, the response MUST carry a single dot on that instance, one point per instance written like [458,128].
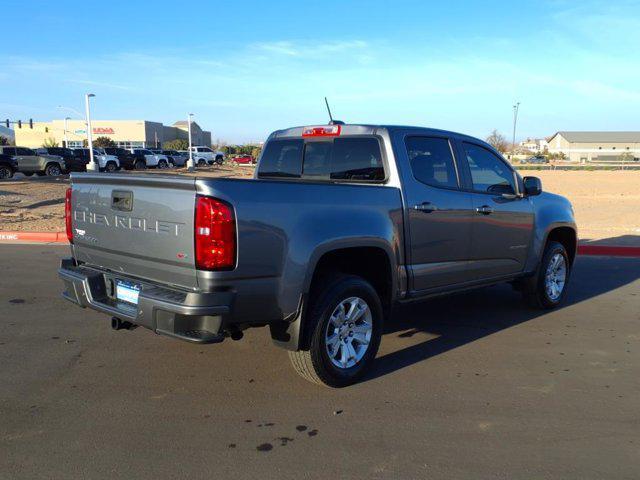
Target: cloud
[309,49]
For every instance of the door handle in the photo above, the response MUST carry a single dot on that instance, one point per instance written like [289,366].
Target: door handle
[426,207]
[484,210]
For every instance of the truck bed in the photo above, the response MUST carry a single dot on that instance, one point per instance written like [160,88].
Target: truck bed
[282,227]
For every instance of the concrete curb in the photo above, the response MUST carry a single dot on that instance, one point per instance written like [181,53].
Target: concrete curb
[609,250]
[33,237]
[61,238]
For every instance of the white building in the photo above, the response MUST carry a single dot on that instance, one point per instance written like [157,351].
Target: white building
[534,145]
[596,146]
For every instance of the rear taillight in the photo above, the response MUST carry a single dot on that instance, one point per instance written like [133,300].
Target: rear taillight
[215,234]
[323,131]
[68,215]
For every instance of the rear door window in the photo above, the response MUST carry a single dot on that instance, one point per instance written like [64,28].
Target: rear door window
[27,152]
[431,160]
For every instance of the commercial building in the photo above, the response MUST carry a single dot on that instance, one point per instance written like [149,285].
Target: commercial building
[125,133]
[587,147]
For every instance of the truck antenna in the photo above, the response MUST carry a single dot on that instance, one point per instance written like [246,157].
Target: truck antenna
[329,110]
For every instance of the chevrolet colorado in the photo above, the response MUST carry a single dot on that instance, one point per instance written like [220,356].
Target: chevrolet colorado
[339,224]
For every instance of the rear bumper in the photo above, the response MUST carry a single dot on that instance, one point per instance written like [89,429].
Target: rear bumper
[190,316]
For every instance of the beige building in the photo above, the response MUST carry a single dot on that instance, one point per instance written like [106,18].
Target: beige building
[125,133]
[587,147]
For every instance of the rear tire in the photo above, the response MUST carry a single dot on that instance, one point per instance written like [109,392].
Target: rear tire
[202,162]
[27,174]
[163,165]
[5,172]
[547,289]
[139,165]
[345,325]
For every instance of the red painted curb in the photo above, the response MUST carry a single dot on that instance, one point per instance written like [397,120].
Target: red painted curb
[608,250]
[61,237]
[33,237]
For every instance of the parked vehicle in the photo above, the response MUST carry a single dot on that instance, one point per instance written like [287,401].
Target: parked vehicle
[340,223]
[206,156]
[106,163]
[146,158]
[29,162]
[8,166]
[176,158]
[125,157]
[65,153]
[244,160]
[536,159]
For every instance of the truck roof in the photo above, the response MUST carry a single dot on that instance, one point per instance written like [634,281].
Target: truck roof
[366,129]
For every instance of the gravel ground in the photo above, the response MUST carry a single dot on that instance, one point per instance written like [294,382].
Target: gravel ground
[36,204]
[606,202]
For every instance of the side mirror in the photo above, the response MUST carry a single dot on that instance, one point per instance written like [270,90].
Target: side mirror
[532,186]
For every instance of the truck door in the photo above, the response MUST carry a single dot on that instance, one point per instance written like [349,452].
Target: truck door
[438,212]
[28,161]
[503,220]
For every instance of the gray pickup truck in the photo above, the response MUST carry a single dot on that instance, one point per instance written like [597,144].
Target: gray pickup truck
[340,223]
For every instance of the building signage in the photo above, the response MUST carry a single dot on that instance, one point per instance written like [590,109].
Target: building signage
[80,132]
[103,131]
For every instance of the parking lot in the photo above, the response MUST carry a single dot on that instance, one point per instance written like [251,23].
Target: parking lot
[472,386]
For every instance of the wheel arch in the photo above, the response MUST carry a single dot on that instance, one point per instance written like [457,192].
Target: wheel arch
[372,259]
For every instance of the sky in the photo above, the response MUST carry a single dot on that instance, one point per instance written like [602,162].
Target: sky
[246,68]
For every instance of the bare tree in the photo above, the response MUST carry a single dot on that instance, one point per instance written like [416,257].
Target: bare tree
[498,141]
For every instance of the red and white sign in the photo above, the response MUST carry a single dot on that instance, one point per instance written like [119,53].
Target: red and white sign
[103,131]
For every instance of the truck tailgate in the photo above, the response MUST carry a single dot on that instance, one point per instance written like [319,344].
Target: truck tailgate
[139,225]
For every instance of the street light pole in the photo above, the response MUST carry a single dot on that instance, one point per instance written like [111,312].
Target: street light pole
[516,107]
[190,164]
[92,166]
[66,139]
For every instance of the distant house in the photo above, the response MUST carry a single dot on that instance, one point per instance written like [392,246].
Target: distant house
[533,145]
[595,146]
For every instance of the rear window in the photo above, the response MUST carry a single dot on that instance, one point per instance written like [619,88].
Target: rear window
[348,159]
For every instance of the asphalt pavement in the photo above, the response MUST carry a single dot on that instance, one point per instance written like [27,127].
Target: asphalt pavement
[471,386]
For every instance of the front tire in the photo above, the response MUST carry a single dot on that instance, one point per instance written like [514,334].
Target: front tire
[548,288]
[163,165]
[139,165]
[346,329]
[111,167]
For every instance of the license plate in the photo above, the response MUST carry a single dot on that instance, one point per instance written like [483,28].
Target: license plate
[127,291]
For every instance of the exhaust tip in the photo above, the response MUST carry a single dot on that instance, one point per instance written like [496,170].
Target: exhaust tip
[118,324]
[237,335]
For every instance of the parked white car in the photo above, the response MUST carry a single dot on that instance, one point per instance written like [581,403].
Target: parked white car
[106,163]
[205,155]
[150,159]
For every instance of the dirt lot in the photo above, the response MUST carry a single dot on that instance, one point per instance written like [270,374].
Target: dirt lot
[37,204]
[607,203]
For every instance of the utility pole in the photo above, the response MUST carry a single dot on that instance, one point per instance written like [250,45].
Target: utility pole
[190,164]
[92,166]
[516,107]
[66,139]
